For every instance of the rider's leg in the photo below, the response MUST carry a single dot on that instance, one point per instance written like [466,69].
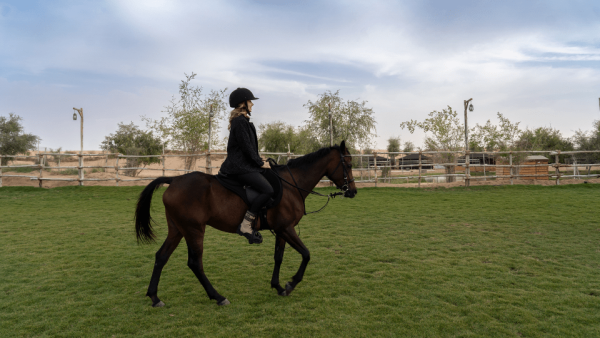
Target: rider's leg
[258,182]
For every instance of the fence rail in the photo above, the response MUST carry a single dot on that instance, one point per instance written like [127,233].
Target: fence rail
[378,167]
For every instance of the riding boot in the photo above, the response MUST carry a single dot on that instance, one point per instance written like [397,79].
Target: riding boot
[246,229]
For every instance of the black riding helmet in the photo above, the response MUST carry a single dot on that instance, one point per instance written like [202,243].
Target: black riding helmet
[240,95]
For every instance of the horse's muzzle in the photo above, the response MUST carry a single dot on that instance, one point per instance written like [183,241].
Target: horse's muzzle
[350,193]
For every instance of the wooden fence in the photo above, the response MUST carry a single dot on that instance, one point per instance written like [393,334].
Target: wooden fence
[382,167]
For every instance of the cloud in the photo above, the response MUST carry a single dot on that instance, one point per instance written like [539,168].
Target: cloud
[533,61]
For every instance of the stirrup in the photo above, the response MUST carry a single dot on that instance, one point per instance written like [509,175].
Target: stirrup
[253,238]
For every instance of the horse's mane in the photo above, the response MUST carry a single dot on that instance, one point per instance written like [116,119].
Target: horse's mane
[311,158]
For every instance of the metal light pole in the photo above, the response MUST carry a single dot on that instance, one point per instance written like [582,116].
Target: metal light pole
[330,128]
[208,161]
[80,111]
[467,162]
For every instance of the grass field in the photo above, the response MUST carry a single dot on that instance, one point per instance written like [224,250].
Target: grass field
[482,262]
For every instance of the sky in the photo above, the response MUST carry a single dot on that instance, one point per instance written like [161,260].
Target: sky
[536,62]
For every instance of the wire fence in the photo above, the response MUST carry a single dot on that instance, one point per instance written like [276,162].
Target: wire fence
[420,168]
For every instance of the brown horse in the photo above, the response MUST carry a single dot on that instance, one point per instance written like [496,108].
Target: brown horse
[194,200]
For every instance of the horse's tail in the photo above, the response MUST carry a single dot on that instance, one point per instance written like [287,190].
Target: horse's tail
[143,220]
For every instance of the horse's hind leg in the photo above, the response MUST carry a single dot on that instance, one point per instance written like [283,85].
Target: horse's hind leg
[195,248]
[162,256]
[279,248]
[290,236]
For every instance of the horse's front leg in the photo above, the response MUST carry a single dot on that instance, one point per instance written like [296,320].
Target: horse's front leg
[290,236]
[279,248]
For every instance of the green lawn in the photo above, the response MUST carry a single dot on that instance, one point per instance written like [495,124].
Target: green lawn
[506,261]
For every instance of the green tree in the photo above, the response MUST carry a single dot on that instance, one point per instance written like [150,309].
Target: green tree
[491,137]
[544,138]
[186,125]
[589,140]
[275,137]
[13,139]
[408,146]
[129,139]
[393,147]
[352,121]
[444,131]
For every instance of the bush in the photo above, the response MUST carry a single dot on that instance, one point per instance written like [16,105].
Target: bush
[130,140]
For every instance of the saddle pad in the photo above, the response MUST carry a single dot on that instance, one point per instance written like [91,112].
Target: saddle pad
[248,194]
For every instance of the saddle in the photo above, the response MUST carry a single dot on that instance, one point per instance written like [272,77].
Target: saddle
[248,194]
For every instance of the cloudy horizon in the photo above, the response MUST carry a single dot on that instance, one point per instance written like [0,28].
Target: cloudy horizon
[537,63]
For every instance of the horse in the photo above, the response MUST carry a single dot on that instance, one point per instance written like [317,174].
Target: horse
[195,200]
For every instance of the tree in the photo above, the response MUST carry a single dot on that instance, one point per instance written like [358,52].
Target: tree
[589,140]
[352,121]
[446,133]
[408,147]
[490,137]
[393,147]
[544,138]
[186,125]
[13,140]
[129,139]
[275,137]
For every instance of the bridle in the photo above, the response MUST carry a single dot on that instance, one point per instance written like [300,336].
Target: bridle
[344,188]
[347,182]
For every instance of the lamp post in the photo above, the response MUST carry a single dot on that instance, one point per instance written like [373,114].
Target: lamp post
[80,111]
[470,107]
[208,161]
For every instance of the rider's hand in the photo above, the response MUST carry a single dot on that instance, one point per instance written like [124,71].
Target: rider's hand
[266,165]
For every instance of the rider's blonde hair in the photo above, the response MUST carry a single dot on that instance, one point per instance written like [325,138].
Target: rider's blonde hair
[240,110]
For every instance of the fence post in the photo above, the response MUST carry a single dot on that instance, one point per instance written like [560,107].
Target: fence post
[375,163]
[208,163]
[484,179]
[420,153]
[81,169]
[511,168]
[467,169]
[368,167]
[557,167]
[361,167]
[41,165]
[164,160]
[117,170]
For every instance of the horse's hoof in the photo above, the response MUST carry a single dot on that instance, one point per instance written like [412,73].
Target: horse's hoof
[159,304]
[289,286]
[282,293]
[223,302]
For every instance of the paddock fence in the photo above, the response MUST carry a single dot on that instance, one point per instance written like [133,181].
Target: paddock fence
[421,168]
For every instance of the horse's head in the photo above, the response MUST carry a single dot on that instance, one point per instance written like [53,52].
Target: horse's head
[340,172]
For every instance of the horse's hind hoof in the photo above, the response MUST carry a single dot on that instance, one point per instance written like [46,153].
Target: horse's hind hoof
[288,288]
[159,304]
[223,302]
[282,293]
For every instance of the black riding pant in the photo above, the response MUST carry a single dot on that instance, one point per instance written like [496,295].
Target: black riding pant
[259,183]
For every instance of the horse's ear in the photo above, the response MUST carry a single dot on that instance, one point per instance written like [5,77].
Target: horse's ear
[343,147]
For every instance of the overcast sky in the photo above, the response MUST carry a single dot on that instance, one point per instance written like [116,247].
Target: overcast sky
[537,62]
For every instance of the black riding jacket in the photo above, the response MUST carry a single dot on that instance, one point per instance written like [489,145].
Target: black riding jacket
[242,149]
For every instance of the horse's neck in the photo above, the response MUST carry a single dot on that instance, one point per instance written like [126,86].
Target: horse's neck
[308,178]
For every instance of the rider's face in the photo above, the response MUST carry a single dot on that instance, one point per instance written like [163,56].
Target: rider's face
[249,105]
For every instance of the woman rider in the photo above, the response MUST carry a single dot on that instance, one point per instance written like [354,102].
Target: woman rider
[243,161]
